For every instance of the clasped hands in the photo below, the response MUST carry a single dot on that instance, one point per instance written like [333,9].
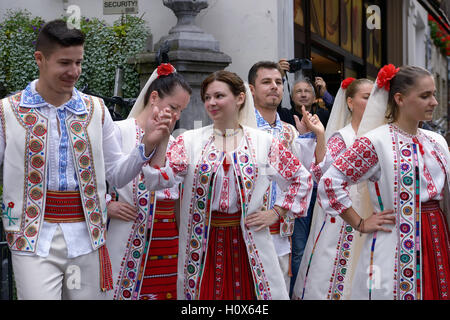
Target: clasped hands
[158,128]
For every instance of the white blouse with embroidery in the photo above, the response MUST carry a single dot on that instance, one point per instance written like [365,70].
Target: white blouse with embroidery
[295,199]
[333,187]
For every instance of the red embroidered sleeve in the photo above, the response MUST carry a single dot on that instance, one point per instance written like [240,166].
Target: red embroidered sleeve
[177,156]
[332,198]
[357,160]
[296,198]
[283,160]
[335,147]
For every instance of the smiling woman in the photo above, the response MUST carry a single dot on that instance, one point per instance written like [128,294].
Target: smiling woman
[225,248]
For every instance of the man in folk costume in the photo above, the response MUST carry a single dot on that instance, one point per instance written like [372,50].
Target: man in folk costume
[406,252]
[58,148]
[143,234]
[225,248]
[332,246]
[266,85]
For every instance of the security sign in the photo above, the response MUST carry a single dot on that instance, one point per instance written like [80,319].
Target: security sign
[120,7]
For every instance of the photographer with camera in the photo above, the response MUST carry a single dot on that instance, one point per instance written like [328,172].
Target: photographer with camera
[304,93]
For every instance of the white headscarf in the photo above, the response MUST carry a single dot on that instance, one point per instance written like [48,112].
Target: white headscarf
[247,116]
[375,113]
[340,115]
[139,104]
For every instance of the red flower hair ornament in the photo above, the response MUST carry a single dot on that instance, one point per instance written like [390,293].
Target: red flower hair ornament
[164,69]
[385,76]
[347,82]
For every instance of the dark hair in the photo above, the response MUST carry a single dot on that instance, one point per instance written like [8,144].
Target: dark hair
[233,81]
[252,73]
[57,33]
[165,85]
[403,82]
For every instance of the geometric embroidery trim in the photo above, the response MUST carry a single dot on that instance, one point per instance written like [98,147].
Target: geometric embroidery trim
[357,159]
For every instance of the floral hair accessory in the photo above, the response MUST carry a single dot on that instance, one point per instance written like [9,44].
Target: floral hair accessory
[347,82]
[164,69]
[385,76]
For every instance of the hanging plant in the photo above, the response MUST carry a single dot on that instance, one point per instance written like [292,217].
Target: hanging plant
[439,34]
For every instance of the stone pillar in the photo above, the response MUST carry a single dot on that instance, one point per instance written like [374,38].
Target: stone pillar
[194,53]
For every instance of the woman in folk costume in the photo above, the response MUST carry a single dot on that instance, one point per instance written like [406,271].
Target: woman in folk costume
[324,272]
[406,252]
[143,235]
[225,247]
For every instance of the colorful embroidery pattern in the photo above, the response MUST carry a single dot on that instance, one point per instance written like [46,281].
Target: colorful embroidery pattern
[341,262]
[247,172]
[203,188]
[335,146]
[134,260]
[177,155]
[83,160]
[357,159]
[35,171]
[283,160]
[409,227]
[332,198]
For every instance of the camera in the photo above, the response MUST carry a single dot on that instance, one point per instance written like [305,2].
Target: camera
[299,64]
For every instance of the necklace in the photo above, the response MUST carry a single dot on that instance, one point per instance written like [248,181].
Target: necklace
[228,132]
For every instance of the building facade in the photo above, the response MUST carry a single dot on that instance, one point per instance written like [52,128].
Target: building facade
[341,37]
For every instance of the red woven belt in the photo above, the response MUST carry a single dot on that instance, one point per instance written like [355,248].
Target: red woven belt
[432,205]
[220,219]
[63,207]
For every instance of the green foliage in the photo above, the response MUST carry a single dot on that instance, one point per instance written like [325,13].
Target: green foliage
[106,48]
[18,32]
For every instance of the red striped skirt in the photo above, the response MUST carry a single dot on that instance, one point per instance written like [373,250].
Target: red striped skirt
[435,252]
[227,274]
[160,276]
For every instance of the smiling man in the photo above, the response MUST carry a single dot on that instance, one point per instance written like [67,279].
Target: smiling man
[266,85]
[58,148]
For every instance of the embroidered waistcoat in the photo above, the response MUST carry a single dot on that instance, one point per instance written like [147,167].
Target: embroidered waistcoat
[25,170]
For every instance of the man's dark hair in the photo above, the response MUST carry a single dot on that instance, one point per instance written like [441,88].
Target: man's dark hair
[56,33]
[261,65]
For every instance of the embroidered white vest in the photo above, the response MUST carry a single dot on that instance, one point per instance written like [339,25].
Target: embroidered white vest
[25,170]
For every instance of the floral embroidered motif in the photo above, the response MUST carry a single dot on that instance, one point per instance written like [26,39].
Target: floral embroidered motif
[7,213]
[341,262]
[283,160]
[335,146]
[30,119]
[78,136]
[133,262]
[357,159]
[177,155]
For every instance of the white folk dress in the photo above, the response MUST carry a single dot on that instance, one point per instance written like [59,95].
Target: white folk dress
[402,172]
